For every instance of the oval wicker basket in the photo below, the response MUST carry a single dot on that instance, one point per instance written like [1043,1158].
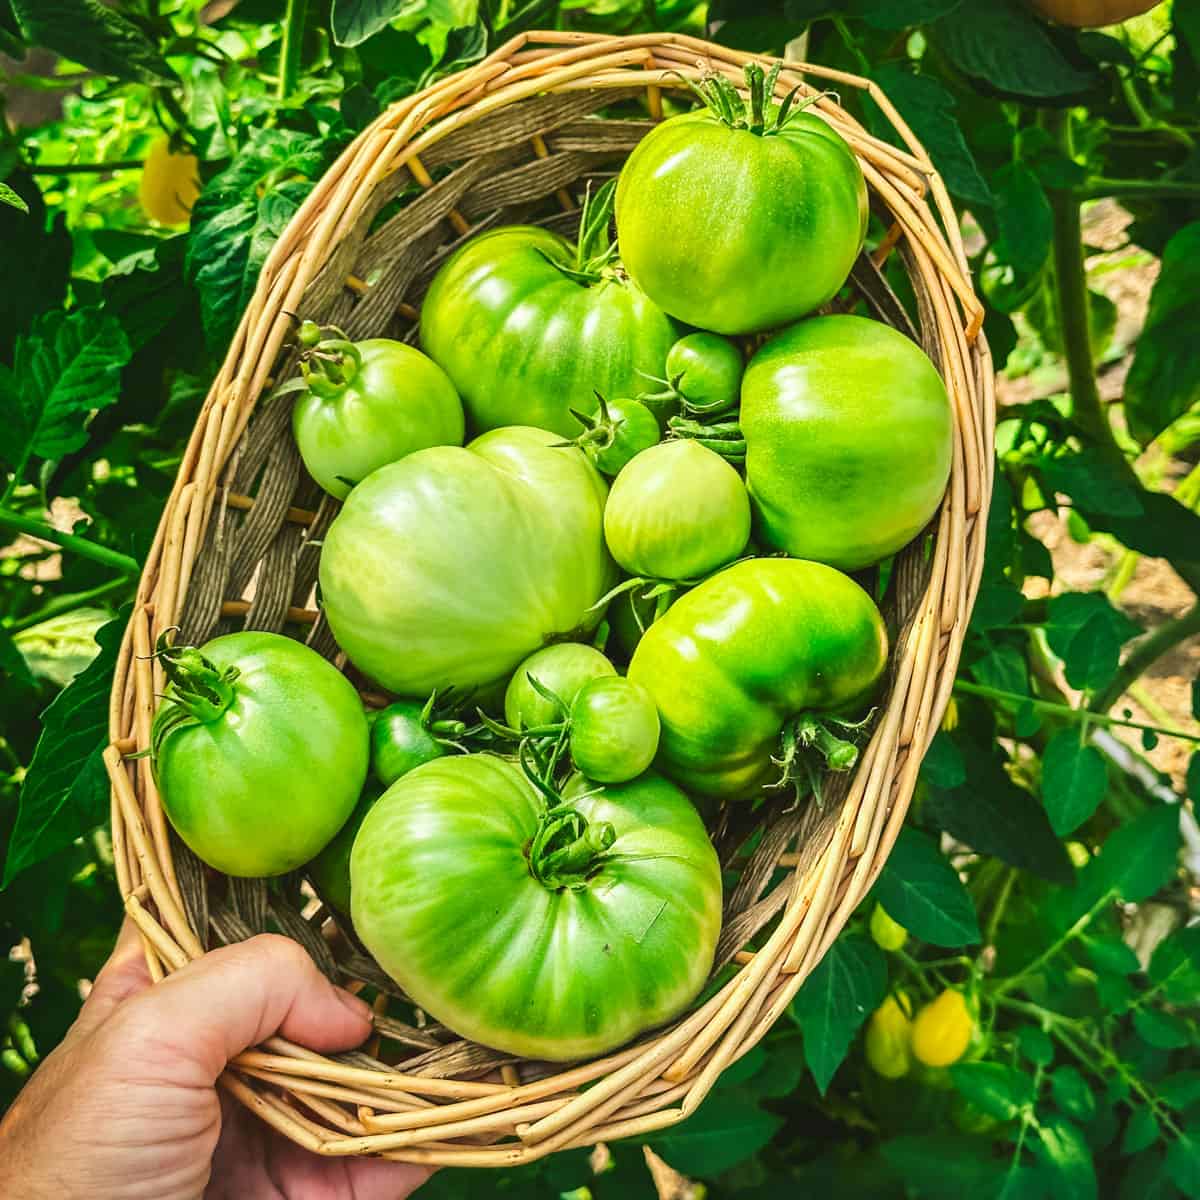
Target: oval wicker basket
[506,141]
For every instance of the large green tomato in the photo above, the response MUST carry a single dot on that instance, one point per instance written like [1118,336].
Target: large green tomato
[737,658]
[562,669]
[451,566]
[738,229]
[525,342]
[260,751]
[554,936]
[368,404]
[849,439]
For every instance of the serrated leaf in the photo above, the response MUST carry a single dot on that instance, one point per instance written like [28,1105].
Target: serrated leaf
[1087,633]
[65,793]
[1024,220]
[1000,1091]
[923,892]
[1164,379]
[845,987]
[1072,1094]
[1162,1030]
[353,21]
[1064,1151]
[1138,859]
[1162,526]
[91,33]
[1141,1130]
[8,196]
[1074,779]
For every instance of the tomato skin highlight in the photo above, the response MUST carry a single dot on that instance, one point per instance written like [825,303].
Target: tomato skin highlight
[398,401]
[525,343]
[443,897]
[614,729]
[737,232]
[849,440]
[743,652]
[562,669]
[677,511]
[451,566]
[294,730]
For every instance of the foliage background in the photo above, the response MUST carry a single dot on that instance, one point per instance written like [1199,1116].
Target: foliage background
[1048,871]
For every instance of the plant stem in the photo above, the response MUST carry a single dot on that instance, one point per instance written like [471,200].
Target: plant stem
[1151,648]
[126,164]
[1060,943]
[68,541]
[65,603]
[1065,710]
[993,923]
[1137,189]
[293,45]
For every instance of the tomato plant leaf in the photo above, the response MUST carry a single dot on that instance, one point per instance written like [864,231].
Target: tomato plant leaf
[726,1129]
[353,21]
[944,1166]
[944,765]
[1174,967]
[1183,1164]
[1161,527]
[1034,1044]
[1074,779]
[923,892]
[1193,777]
[1164,380]
[1087,633]
[1072,1094]
[1065,1152]
[1112,956]
[1024,219]
[13,199]
[65,793]
[91,33]
[999,1090]
[1141,1130]
[1162,1030]
[845,987]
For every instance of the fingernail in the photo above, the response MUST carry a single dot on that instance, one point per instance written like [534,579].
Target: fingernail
[360,1008]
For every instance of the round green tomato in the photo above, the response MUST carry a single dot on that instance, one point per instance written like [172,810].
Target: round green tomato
[705,369]
[525,343]
[737,231]
[626,428]
[330,870]
[400,740]
[678,510]
[394,401]
[554,937]
[450,567]
[737,657]
[849,439]
[249,723]
[614,729]
[562,669]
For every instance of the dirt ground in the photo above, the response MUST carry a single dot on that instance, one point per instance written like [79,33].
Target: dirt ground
[1155,593]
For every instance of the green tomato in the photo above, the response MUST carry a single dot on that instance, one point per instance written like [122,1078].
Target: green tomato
[740,656]
[554,935]
[623,429]
[401,738]
[562,669]
[330,870]
[677,511]
[614,729]
[382,401]
[259,749]
[736,231]
[448,568]
[849,439]
[525,342]
[705,369]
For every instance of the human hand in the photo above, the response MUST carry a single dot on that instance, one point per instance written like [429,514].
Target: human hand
[127,1106]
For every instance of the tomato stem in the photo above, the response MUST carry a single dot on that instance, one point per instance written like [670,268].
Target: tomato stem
[201,688]
[566,848]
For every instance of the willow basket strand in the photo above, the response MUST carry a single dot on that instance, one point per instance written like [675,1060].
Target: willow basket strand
[514,138]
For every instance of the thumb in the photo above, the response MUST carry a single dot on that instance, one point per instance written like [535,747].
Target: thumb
[233,998]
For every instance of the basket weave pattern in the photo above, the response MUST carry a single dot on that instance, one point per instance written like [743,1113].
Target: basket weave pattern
[499,143]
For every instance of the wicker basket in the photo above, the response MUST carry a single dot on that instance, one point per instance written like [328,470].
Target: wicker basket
[506,141]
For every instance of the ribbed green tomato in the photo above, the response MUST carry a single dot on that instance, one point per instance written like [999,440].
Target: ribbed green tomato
[746,652]
[677,511]
[330,870]
[849,439]
[525,342]
[370,404]
[614,729]
[554,936]
[737,230]
[260,751]
[450,567]
[562,669]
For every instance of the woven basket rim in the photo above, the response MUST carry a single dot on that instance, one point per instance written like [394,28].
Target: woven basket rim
[338,1108]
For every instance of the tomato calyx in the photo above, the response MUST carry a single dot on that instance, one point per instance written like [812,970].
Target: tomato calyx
[810,745]
[595,258]
[723,437]
[753,111]
[567,849]
[202,689]
[329,363]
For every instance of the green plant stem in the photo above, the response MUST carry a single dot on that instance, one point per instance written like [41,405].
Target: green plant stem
[68,541]
[67,602]
[126,164]
[293,44]
[1137,189]
[998,909]
[1060,943]
[1065,710]
[1147,651]
[917,971]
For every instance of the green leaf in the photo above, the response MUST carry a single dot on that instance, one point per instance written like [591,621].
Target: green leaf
[1063,1150]
[1141,1130]
[1161,527]
[944,766]
[66,367]
[145,293]
[923,892]
[66,793]
[1162,1030]
[1072,1094]
[1164,379]
[1087,633]
[91,33]
[1183,1164]
[1181,1090]
[1001,44]
[353,21]
[13,666]
[8,196]
[902,14]
[1034,1044]
[1096,486]
[1138,859]
[1074,779]
[1196,698]
[845,987]
[1000,1091]
[724,1131]
[997,605]
[944,1166]
[1003,666]
[1024,220]
[928,108]
[1175,966]
[1112,956]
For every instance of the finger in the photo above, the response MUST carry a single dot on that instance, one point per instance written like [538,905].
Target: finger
[376,1179]
[233,998]
[123,975]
